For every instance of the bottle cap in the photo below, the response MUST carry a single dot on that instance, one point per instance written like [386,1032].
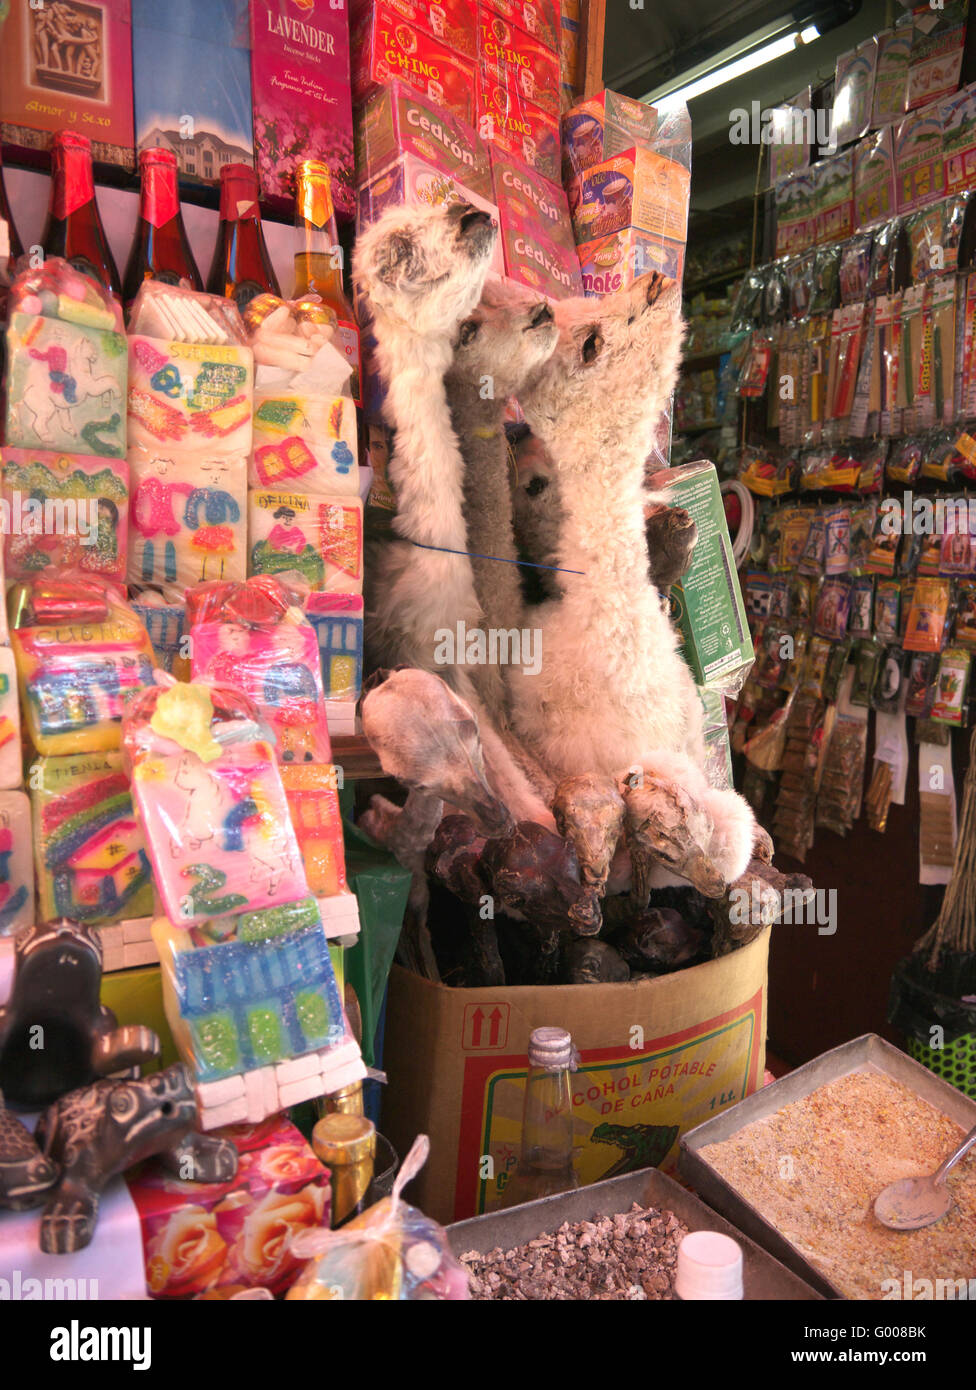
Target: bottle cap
[709,1267]
[552,1048]
[342,1138]
[73,138]
[313,188]
[157,154]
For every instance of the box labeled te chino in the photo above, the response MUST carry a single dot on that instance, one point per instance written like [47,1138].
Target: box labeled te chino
[512,125]
[301,95]
[386,47]
[68,65]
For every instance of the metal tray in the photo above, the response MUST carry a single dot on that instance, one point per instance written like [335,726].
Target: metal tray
[763,1276]
[867,1053]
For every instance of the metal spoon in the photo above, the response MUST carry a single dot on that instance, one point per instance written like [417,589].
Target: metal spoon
[911,1203]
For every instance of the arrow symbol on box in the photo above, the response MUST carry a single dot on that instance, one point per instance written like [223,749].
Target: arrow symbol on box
[477,1019]
[495,1019]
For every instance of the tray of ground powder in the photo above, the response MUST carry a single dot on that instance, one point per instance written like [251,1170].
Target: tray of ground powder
[799,1164]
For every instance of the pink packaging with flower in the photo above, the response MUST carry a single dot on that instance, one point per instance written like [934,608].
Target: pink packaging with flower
[385,47]
[301,97]
[202,1236]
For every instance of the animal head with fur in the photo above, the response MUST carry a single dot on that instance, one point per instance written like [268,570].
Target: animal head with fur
[503,341]
[423,268]
[612,373]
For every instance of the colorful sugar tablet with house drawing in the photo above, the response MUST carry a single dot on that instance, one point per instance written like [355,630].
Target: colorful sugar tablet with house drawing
[320,538]
[75,679]
[89,849]
[313,802]
[190,396]
[304,442]
[66,387]
[338,621]
[215,816]
[188,519]
[64,511]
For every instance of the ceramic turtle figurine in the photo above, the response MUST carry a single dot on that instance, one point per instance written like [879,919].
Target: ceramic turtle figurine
[26,1176]
[55,1034]
[104,1128]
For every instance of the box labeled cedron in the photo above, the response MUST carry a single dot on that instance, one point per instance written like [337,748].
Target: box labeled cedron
[540,264]
[399,121]
[522,193]
[656,1057]
[636,189]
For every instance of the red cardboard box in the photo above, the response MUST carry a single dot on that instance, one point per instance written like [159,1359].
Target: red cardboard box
[452,22]
[538,263]
[300,91]
[540,19]
[398,121]
[385,47]
[515,127]
[199,1236]
[506,55]
[523,193]
[68,65]
[613,262]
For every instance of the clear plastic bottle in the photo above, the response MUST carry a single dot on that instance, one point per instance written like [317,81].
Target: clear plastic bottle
[547,1160]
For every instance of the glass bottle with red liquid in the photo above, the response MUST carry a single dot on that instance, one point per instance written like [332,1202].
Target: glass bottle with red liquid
[241,267]
[74,229]
[319,259]
[160,249]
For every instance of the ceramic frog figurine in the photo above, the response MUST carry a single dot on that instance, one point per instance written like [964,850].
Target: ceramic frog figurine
[26,1176]
[103,1129]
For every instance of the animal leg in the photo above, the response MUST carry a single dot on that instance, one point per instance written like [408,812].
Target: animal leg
[68,1220]
[124,1048]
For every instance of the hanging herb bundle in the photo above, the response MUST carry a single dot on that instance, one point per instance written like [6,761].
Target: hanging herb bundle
[954,930]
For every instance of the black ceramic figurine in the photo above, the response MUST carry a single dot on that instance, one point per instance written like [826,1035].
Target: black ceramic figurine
[25,1174]
[105,1128]
[55,1034]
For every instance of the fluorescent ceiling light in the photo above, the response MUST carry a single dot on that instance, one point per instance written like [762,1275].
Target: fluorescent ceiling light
[735,67]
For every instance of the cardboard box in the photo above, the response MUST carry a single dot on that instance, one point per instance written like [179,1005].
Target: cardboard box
[68,65]
[656,1058]
[199,1236]
[452,22]
[522,193]
[874,179]
[398,120]
[605,125]
[385,47]
[525,66]
[512,125]
[413,182]
[301,94]
[613,262]
[637,189]
[191,68]
[538,263]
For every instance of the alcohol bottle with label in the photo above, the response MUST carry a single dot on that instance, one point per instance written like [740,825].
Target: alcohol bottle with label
[319,259]
[160,249]
[74,229]
[241,267]
[547,1162]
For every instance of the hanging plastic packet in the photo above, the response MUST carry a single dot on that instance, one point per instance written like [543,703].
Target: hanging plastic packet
[907,594]
[795,664]
[887,345]
[793,526]
[905,460]
[862,600]
[774,654]
[949,705]
[854,272]
[812,559]
[887,600]
[833,609]
[957,551]
[928,616]
[837,540]
[863,519]
[747,310]
[780,598]
[883,553]
[755,368]
[826,280]
[867,662]
[840,653]
[802,599]
[758,596]
[815,671]
[776,299]
[883,247]
[799,272]
[891,682]
[939,456]
[921,684]
[964,628]
[872,459]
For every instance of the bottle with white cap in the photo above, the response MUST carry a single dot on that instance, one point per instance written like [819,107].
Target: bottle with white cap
[546,1164]
[709,1267]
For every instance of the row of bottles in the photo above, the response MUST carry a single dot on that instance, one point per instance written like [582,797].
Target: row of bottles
[241,267]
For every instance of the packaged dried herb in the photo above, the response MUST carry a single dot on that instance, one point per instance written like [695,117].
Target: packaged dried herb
[867,660]
[862,602]
[952,687]
[891,680]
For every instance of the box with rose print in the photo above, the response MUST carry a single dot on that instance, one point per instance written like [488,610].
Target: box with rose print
[200,1236]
